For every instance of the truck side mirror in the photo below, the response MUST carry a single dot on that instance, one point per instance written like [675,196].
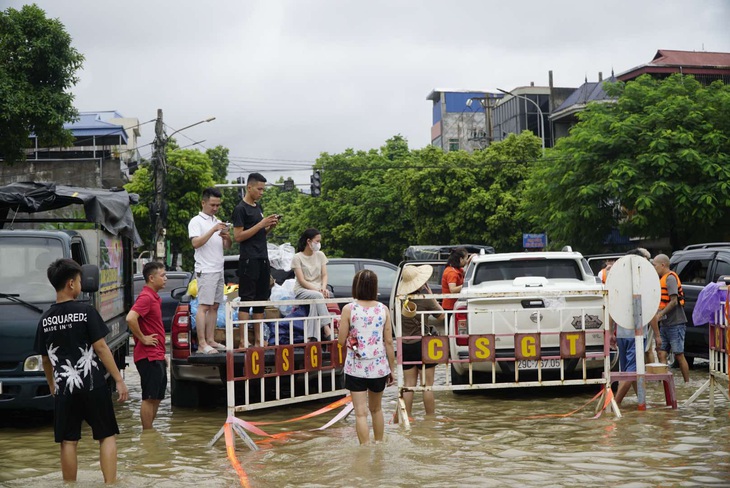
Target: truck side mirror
[179,292]
[89,278]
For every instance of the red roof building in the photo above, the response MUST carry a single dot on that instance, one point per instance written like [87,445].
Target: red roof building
[705,66]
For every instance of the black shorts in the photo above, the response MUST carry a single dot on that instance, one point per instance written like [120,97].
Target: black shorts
[376,385]
[254,281]
[153,377]
[412,352]
[94,406]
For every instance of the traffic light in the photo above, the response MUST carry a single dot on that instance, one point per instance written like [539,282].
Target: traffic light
[241,193]
[316,186]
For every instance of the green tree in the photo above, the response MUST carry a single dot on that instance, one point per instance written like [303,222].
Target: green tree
[653,164]
[460,198]
[219,161]
[189,172]
[37,68]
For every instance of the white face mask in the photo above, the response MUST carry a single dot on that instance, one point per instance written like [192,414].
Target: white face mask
[315,246]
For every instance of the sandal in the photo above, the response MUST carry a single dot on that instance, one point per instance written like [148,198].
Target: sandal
[217,346]
[207,350]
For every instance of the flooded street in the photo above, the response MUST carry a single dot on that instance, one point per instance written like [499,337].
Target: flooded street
[478,440]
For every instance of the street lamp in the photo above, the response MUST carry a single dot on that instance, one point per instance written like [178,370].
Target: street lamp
[541,125]
[158,212]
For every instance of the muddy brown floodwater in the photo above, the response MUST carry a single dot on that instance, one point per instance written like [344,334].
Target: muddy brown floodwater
[477,440]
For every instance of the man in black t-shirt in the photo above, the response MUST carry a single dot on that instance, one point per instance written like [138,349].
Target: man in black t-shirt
[70,337]
[249,230]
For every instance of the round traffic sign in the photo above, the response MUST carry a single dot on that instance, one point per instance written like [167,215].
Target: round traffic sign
[629,276]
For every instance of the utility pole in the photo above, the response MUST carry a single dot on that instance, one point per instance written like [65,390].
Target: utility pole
[158,209]
[158,212]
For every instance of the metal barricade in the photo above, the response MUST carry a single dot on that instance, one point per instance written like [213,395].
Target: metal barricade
[287,369]
[483,355]
[719,367]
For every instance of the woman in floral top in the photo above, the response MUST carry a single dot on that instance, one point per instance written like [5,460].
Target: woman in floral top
[366,331]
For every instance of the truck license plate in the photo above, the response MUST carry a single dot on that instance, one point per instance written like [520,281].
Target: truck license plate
[532,364]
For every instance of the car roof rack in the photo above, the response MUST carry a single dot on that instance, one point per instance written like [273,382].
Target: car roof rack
[706,245]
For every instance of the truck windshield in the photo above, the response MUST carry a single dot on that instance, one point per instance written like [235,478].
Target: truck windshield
[509,270]
[23,265]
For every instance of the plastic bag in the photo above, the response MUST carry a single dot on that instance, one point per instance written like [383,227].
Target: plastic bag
[284,291]
[280,257]
[220,319]
[709,302]
[193,288]
[283,325]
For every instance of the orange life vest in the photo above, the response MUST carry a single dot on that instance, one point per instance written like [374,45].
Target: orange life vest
[665,293]
[604,275]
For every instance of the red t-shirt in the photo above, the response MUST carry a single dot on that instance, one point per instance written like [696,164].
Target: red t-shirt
[451,275]
[149,308]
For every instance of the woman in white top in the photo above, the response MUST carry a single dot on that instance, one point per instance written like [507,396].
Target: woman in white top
[310,268]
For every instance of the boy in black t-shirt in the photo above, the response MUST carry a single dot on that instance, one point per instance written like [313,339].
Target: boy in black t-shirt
[70,337]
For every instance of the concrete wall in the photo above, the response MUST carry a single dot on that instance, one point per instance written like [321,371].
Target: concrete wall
[91,173]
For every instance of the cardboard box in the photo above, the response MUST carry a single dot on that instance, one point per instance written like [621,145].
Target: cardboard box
[220,335]
[657,368]
[272,313]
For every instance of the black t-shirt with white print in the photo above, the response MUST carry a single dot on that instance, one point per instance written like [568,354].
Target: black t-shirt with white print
[65,334]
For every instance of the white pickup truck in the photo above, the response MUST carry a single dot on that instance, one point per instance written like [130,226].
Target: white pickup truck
[535,292]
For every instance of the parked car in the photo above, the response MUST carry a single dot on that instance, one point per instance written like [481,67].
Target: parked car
[698,265]
[566,273]
[175,279]
[340,272]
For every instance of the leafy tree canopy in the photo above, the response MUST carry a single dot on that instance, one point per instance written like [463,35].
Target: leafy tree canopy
[189,171]
[37,68]
[376,203]
[653,164]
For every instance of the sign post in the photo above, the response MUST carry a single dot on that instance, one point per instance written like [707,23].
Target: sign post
[534,241]
[633,298]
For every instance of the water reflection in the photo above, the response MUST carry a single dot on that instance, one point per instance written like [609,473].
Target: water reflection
[480,440]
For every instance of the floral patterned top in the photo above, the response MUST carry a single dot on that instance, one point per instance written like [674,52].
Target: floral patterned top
[367,325]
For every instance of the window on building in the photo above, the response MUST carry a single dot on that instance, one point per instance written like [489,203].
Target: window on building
[453,144]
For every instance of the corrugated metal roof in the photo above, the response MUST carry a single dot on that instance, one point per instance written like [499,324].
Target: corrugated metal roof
[590,91]
[690,62]
[90,124]
[666,57]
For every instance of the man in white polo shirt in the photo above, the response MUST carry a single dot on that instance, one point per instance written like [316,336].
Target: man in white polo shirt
[209,237]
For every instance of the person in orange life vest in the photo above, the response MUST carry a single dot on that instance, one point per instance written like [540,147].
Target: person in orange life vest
[145,323]
[670,316]
[453,278]
[607,267]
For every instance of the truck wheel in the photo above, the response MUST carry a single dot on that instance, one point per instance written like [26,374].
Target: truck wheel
[457,379]
[183,393]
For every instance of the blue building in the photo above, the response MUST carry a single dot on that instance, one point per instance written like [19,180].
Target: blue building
[462,119]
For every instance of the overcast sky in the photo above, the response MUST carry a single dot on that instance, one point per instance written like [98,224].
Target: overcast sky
[287,80]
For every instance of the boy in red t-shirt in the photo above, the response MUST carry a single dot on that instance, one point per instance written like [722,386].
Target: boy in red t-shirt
[145,322]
